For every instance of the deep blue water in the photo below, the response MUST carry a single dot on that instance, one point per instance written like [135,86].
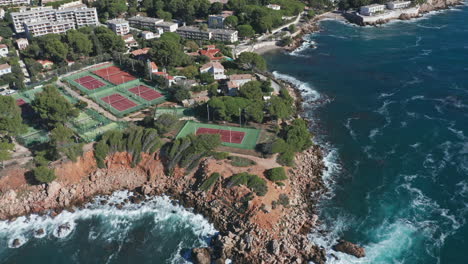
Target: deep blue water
[391,106]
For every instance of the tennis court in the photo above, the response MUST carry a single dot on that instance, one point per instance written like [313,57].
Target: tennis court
[227,136]
[118,102]
[114,75]
[89,82]
[237,137]
[145,92]
[20,102]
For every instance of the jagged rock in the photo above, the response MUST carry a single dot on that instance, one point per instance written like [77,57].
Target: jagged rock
[10,195]
[274,247]
[16,243]
[39,232]
[350,248]
[53,189]
[201,255]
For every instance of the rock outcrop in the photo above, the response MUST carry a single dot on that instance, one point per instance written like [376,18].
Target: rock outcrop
[350,248]
[431,5]
[251,230]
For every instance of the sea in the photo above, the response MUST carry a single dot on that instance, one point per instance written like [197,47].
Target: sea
[389,105]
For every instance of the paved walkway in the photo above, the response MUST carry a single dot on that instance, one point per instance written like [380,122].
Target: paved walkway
[90,103]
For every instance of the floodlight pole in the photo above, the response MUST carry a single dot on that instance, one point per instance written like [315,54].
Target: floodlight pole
[240,118]
[208,111]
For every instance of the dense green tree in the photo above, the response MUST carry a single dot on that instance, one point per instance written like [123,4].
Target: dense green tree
[108,40]
[165,123]
[111,8]
[278,108]
[11,122]
[251,61]
[44,175]
[246,31]
[297,135]
[231,22]
[5,150]
[52,107]
[168,53]
[216,8]
[54,48]
[276,174]
[251,90]
[79,42]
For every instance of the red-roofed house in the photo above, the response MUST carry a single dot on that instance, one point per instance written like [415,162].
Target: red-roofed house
[46,64]
[169,79]
[140,53]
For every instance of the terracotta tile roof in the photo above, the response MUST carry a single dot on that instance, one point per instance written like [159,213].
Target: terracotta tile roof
[139,52]
[4,66]
[236,77]
[213,64]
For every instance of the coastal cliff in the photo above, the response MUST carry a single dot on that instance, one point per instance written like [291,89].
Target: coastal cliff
[251,230]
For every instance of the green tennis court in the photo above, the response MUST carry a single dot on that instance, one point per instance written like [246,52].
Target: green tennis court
[246,136]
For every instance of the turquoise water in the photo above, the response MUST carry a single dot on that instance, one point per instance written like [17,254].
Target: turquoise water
[155,231]
[390,104]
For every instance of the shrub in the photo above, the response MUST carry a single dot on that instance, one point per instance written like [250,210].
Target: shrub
[100,153]
[43,174]
[286,158]
[208,183]
[276,174]
[283,200]
[241,162]
[220,155]
[253,182]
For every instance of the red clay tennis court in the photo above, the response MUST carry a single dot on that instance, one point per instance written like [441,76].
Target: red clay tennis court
[145,92]
[118,102]
[114,75]
[226,135]
[89,82]
[20,102]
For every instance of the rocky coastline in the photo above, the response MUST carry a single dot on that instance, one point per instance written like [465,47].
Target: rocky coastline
[250,231]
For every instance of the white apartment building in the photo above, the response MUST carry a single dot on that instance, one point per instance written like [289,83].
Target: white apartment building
[5,69]
[224,35]
[370,10]
[119,26]
[152,24]
[79,15]
[2,13]
[196,33]
[14,2]
[398,4]
[40,28]
[3,50]
[168,26]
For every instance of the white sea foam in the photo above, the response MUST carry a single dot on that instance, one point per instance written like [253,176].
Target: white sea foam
[306,45]
[118,221]
[349,127]
[309,93]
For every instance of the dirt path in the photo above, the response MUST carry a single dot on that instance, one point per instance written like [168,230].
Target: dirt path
[266,163]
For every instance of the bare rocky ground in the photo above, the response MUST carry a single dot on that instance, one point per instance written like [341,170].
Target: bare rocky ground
[251,231]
